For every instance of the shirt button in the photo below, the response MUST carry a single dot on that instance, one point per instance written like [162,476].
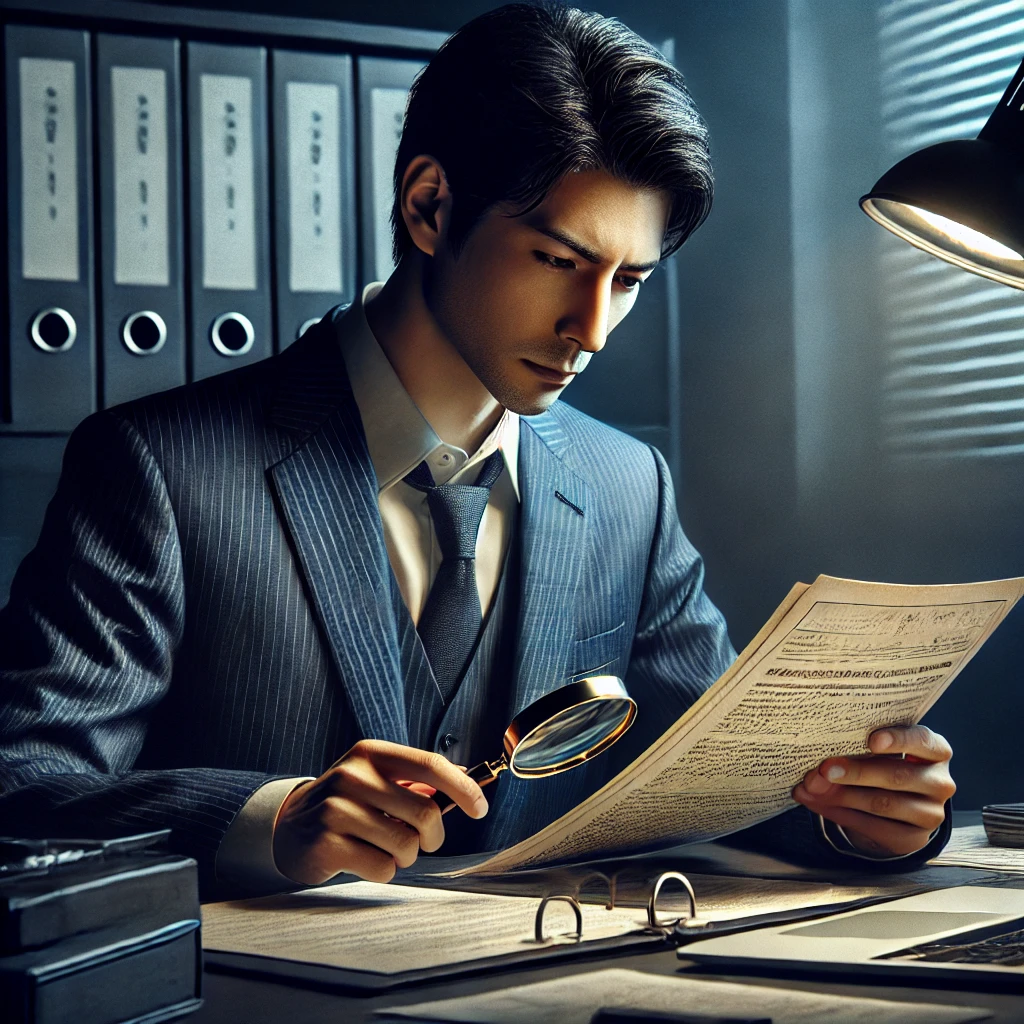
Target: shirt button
[449,741]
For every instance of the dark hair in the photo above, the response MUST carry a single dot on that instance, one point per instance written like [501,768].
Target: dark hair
[525,94]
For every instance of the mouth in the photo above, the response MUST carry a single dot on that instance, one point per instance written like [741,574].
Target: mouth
[549,375]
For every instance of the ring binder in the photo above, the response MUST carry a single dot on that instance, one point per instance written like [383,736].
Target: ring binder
[50,245]
[538,922]
[53,329]
[142,264]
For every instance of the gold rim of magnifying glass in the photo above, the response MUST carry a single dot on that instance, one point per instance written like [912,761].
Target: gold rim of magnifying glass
[572,695]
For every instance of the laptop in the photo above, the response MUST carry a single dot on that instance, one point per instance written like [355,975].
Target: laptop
[972,935]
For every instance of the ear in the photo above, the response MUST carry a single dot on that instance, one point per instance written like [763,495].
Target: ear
[426,203]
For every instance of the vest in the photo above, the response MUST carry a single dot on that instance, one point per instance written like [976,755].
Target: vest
[471,728]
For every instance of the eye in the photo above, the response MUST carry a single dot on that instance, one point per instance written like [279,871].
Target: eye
[629,284]
[555,262]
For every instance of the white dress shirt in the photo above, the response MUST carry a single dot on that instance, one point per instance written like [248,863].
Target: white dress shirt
[399,438]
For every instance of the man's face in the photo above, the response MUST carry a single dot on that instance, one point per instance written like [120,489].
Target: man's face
[531,298]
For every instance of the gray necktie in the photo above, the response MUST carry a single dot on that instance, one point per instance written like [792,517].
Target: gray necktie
[451,619]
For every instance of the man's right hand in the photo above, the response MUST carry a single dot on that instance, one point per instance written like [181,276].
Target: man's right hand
[369,814]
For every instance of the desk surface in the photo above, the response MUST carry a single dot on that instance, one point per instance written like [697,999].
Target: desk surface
[231,999]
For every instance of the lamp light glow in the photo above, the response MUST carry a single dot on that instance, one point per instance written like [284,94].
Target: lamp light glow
[961,234]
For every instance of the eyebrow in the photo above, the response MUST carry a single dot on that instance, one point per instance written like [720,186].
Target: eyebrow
[589,254]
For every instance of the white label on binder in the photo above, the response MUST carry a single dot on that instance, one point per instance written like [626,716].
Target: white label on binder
[141,249]
[49,169]
[387,109]
[229,200]
[314,187]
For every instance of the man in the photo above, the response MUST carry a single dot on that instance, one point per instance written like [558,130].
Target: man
[253,615]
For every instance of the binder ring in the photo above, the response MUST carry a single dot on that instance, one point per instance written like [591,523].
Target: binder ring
[38,326]
[652,904]
[306,324]
[228,346]
[538,923]
[141,318]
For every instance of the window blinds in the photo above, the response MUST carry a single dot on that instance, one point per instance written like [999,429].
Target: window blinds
[953,377]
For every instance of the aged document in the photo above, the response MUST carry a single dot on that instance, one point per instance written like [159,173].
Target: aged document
[575,999]
[836,660]
[365,926]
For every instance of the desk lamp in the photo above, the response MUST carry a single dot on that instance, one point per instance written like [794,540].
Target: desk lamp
[963,201]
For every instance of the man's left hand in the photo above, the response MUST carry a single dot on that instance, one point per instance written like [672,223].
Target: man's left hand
[887,805]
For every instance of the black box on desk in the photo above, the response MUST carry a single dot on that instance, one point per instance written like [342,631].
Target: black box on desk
[97,931]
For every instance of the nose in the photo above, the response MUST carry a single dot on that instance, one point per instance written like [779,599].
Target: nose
[587,323]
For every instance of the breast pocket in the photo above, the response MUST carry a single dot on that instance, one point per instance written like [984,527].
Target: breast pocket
[599,655]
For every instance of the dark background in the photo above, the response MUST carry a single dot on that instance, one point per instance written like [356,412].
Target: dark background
[780,470]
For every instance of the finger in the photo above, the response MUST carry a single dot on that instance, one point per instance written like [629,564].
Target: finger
[347,817]
[878,835]
[906,807]
[371,789]
[913,740]
[335,853]
[396,762]
[416,809]
[419,787]
[928,779]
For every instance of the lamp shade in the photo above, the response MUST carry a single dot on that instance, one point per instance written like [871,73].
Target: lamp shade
[963,201]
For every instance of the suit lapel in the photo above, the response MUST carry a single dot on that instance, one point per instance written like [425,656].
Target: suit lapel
[555,541]
[327,493]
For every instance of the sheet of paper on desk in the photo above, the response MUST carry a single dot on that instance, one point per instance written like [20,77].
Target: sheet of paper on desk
[364,926]
[969,847]
[575,999]
[836,660]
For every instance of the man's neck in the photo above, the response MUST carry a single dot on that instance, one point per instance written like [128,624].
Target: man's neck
[437,378]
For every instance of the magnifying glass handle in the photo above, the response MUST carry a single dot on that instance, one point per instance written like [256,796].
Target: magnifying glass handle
[483,774]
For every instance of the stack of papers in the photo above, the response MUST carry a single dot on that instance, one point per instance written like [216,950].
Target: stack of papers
[969,847]
[1004,824]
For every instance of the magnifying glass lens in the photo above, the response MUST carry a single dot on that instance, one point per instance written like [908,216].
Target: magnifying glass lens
[558,731]
[570,735]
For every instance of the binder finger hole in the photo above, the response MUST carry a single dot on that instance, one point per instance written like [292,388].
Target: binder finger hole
[232,334]
[305,326]
[53,330]
[144,333]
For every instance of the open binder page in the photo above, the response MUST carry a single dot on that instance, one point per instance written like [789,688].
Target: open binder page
[391,929]
[837,660]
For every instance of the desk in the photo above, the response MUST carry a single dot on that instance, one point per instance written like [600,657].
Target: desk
[237,1000]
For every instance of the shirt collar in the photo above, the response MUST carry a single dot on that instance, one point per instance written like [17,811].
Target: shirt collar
[398,435]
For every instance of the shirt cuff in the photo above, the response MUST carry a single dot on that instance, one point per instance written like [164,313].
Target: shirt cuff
[836,837]
[245,856]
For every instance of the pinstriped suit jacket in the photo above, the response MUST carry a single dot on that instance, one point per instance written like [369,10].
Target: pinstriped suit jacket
[209,605]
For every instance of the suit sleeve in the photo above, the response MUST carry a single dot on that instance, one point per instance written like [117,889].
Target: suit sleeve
[681,648]
[87,645]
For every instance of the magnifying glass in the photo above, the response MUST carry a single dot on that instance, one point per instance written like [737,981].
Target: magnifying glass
[563,729]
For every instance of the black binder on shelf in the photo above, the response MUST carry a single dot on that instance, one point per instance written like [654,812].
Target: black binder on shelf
[228,198]
[142,292]
[383,90]
[314,185]
[50,251]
